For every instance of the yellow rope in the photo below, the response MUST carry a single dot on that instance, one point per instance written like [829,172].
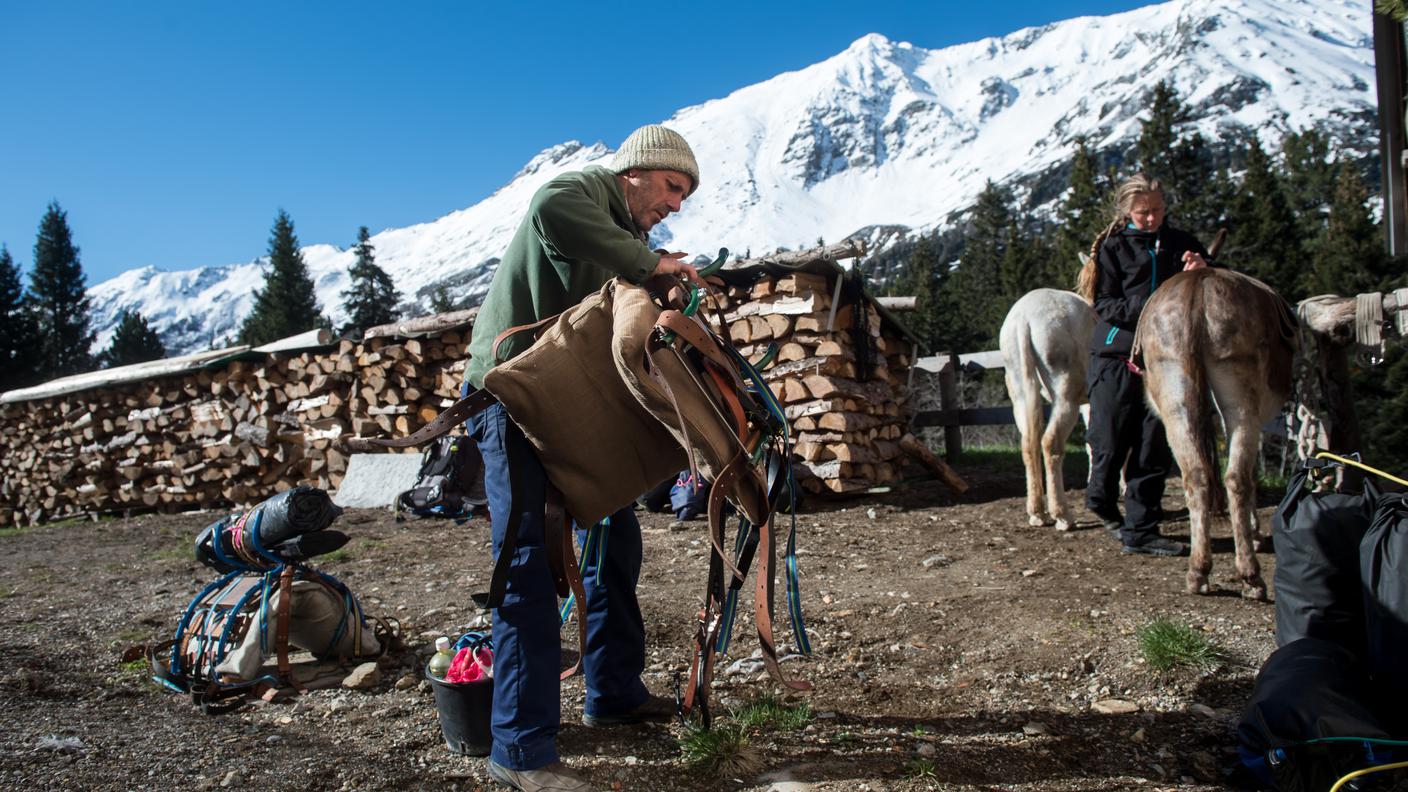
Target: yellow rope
[1361,465]
[1366,771]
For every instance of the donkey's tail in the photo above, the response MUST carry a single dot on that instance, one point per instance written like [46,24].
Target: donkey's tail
[1202,413]
[1025,385]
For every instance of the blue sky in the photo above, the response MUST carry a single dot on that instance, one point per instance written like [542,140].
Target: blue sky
[172,133]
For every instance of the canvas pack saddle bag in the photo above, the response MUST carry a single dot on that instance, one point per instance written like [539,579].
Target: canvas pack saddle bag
[620,392]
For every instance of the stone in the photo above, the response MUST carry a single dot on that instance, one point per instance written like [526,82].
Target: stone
[1114,707]
[363,677]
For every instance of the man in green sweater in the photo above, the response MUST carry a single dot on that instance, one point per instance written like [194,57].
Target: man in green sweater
[582,229]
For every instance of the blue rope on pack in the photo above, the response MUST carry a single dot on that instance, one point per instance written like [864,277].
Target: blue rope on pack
[594,546]
[185,622]
[264,597]
[794,591]
[730,606]
[258,547]
[230,617]
[350,606]
[794,588]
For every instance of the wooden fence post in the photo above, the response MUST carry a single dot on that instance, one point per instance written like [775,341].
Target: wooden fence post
[948,400]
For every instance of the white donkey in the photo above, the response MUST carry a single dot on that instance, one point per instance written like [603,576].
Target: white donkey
[1045,343]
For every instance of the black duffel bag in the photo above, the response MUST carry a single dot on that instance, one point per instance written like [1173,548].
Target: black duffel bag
[1313,718]
[1317,579]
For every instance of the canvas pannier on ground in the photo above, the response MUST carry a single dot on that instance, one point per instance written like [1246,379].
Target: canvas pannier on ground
[266,605]
[654,390]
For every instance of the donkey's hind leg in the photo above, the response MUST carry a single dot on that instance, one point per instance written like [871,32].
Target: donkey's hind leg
[1168,390]
[1053,449]
[1243,443]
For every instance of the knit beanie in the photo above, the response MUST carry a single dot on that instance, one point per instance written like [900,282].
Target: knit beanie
[654,147]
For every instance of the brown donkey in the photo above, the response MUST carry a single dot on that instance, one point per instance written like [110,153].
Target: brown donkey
[1217,339]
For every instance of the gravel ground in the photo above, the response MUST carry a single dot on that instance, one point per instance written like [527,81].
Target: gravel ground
[955,648]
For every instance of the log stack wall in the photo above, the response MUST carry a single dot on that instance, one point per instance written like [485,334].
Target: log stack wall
[847,416]
[224,436]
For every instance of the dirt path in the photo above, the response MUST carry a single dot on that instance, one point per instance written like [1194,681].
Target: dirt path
[956,648]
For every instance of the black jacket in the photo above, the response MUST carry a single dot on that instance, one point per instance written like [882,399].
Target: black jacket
[1131,264]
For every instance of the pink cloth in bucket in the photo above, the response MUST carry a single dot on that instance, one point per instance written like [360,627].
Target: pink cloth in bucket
[471,666]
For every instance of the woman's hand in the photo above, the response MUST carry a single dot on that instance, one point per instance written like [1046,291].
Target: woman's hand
[1192,261]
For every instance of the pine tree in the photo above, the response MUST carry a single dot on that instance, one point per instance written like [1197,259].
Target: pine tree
[60,300]
[287,305]
[922,278]
[371,300]
[1083,215]
[440,301]
[18,333]
[1310,179]
[1262,232]
[976,288]
[132,342]
[1348,256]
[1153,152]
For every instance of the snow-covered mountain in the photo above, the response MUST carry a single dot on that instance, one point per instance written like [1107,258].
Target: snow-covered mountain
[885,134]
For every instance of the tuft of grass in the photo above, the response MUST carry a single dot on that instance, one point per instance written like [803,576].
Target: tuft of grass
[11,530]
[919,767]
[1166,644]
[134,670]
[724,750]
[768,711]
[340,554]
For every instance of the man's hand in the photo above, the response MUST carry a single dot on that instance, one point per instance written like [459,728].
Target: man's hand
[671,265]
[1192,261]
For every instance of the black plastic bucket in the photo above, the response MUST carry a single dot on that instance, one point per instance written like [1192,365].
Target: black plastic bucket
[464,709]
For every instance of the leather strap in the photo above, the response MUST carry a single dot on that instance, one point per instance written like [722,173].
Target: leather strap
[536,327]
[281,619]
[565,571]
[763,609]
[452,417]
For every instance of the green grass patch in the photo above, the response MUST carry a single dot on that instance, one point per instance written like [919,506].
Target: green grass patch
[12,530]
[919,767]
[1166,644]
[1271,485]
[723,750]
[369,544]
[134,670]
[340,554]
[768,711]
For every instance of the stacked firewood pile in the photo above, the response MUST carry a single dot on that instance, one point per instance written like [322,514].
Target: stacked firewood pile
[233,433]
[841,368]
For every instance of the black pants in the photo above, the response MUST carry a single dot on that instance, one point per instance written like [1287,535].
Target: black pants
[1124,433]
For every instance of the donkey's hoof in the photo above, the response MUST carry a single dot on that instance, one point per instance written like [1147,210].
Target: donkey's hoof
[1036,520]
[1063,525]
[1198,584]
[1254,588]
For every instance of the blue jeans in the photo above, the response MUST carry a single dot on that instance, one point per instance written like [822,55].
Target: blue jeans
[527,644]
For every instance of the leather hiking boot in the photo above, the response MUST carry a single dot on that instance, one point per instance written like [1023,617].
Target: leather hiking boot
[1158,546]
[556,777]
[654,710]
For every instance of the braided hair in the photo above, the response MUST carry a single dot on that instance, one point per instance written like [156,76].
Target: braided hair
[1125,194]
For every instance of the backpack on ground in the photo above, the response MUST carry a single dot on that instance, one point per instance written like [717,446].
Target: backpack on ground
[264,605]
[450,482]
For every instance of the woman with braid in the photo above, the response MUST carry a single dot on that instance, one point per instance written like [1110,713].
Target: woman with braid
[1137,254]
